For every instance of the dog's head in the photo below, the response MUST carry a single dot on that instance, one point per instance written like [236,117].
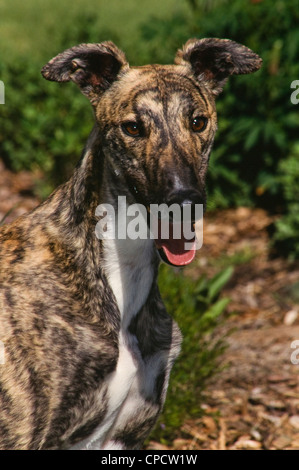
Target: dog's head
[157,122]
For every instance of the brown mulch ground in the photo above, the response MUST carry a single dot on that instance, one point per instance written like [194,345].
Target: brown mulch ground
[254,402]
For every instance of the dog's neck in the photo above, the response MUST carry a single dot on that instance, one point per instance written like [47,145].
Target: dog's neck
[129,265]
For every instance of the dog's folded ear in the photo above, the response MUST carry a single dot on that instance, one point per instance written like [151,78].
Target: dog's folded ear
[214,60]
[93,67]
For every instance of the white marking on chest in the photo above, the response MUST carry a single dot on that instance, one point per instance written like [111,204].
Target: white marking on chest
[130,273]
[119,385]
[128,264]
[121,380]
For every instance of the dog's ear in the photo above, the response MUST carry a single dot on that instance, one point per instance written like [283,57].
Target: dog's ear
[93,67]
[214,60]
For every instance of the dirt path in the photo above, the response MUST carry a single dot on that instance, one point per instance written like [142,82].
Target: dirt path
[254,402]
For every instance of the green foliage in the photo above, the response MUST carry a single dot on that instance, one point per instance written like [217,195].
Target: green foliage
[198,309]
[156,32]
[286,237]
[239,257]
[36,129]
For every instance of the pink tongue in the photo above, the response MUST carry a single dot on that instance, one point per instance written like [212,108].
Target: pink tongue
[175,252]
[175,249]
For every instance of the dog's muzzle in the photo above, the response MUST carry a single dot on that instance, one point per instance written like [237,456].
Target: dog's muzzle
[175,226]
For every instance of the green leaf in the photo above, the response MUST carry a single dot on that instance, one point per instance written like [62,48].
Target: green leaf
[215,311]
[218,282]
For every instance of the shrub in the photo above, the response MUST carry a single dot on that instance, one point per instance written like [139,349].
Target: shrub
[37,129]
[286,236]
[198,309]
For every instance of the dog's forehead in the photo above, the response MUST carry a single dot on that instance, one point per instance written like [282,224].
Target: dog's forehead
[160,83]
[164,77]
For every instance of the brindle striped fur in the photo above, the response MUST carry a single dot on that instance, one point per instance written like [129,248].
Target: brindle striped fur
[88,343]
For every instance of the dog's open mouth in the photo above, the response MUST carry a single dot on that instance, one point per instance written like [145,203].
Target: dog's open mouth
[176,243]
[174,252]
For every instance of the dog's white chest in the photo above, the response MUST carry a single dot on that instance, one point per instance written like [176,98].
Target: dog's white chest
[130,271]
[121,380]
[119,386]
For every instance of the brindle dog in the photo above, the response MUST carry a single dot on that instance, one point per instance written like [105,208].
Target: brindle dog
[88,343]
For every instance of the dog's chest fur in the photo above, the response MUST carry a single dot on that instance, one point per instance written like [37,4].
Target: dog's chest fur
[130,276]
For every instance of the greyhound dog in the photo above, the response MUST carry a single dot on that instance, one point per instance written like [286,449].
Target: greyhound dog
[88,343]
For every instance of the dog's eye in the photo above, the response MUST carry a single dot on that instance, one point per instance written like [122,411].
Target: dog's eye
[199,123]
[132,128]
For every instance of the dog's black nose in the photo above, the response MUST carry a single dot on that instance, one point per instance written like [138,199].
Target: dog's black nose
[191,203]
